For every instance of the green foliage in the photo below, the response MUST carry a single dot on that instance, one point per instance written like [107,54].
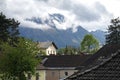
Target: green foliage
[8,29]
[113,36]
[68,50]
[89,44]
[16,61]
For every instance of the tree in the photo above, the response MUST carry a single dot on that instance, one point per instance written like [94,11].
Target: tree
[8,29]
[15,62]
[113,36]
[68,50]
[89,44]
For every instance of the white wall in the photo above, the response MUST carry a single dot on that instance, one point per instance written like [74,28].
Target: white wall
[51,50]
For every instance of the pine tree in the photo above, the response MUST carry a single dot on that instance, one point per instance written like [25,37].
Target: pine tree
[113,36]
[8,29]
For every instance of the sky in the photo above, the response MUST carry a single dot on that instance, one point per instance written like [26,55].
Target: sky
[90,14]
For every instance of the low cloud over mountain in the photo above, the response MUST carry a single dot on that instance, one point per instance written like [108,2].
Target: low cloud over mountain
[56,32]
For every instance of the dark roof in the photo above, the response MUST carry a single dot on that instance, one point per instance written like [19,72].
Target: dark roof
[45,45]
[107,70]
[40,67]
[64,60]
[105,52]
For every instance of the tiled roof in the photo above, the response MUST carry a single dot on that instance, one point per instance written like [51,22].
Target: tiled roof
[105,52]
[64,60]
[108,70]
[45,45]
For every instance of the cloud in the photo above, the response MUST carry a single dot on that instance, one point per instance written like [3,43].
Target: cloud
[83,12]
[43,0]
[100,8]
[76,12]
[34,25]
[2,5]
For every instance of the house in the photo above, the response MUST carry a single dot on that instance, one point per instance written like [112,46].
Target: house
[106,67]
[49,48]
[102,54]
[58,67]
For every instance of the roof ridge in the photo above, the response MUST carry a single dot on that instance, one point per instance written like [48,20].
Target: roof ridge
[102,63]
[88,70]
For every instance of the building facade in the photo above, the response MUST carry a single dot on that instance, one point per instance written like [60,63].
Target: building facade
[49,48]
[58,67]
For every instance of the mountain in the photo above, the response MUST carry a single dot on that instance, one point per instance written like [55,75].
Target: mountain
[100,35]
[61,37]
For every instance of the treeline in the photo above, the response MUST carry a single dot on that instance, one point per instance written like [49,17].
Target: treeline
[90,44]
[17,54]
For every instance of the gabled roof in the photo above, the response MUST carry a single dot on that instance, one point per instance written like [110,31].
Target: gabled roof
[105,52]
[45,45]
[107,70]
[60,61]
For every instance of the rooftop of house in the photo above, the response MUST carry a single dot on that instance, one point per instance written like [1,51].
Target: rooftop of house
[105,52]
[63,61]
[107,70]
[45,45]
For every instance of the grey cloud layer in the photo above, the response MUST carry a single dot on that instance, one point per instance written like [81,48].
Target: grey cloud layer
[82,12]
[2,5]
[29,8]
[85,14]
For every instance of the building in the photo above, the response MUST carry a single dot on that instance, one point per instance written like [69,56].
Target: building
[58,67]
[49,48]
[106,67]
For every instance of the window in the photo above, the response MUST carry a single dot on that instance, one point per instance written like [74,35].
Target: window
[66,73]
[29,76]
[53,52]
[48,52]
[37,76]
[53,73]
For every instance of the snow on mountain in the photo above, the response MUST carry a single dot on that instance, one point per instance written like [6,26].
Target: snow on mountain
[60,30]
[56,21]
